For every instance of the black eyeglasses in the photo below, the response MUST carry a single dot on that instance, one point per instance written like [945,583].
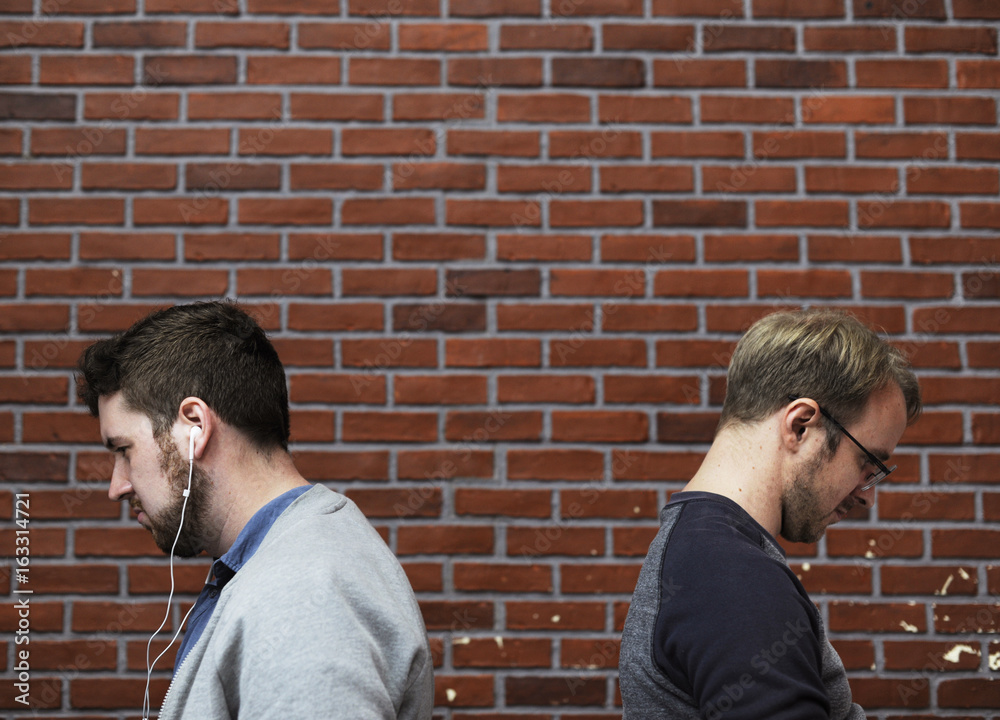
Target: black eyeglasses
[876,477]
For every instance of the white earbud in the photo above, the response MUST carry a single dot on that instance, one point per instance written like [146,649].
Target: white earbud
[195,432]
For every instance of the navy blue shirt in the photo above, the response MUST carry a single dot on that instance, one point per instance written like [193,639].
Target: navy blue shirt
[226,567]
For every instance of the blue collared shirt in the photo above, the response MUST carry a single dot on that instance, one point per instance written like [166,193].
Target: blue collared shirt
[226,567]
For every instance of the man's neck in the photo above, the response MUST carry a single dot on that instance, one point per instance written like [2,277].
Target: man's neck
[244,488]
[743,466]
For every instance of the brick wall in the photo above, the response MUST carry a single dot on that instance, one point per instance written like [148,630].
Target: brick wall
[504,248]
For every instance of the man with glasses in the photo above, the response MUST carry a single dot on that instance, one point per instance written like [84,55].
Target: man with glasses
[719,627]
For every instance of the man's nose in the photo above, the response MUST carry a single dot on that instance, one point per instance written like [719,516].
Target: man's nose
[865,498]
[120,485]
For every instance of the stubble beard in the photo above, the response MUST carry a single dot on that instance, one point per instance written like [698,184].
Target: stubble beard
[165,524]
[802,516]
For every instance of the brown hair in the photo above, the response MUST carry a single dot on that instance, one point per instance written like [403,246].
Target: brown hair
[826,355]
[211,350]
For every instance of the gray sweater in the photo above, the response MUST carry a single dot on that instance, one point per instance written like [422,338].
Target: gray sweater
[321,623]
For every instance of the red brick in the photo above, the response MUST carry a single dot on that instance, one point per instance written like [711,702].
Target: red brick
[344,35]
[630,108]
[554,465]
[387,141]
[598,72]
[234,106]
[498,213]
[785,9]
[907,285]
[698,73]
[550,248]
[404,8]
[452,37]
[530,542]
[84,140]
[497,71]
[948,111]
[438,539]
[699,283]
[268,70]
[378,354]
[340,317]
[397,503]
[599,578]
[86,70]
[952,180]
[492,353]
[449,317]
[800,73]
[630,316]
[872,617]
[134,105]
[241,34]
[184,282]
[501,652]
[317,106]
[446,176]
[39,33]
[705,213]
[647,249]
[814,213]
[502,578]
[846,38]
[393,71]
[186,141]
[986,428]
[934,581]
[552,107]
[746,248]
[511,503]
[463,691]
[858,109]
[732,37]
[31,106]
[444,390]
[978,73]
[128,176]
[438,106]
[437,246]
[892,213]
[142,34]
[980,215]
[596,427]
[493,142]
[567,389]
[975,9]
[335,176]
[106,283]
[844,179]
[578,352]
[190,210]
[389,427]
[215,177]
[655,178]
[966,619]
[748,179]
[540,317]
[926,146]
[561,36]
[281,211]
[190,70]
[82,211]
[275,282]
[874,543]
[16,70]
[966,543]
[563,615]
[951,40]
[36,176]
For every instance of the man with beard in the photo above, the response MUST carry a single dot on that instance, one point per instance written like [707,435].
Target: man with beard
[307,614]
[719,626]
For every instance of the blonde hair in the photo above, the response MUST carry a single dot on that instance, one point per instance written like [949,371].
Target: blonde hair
[826,355]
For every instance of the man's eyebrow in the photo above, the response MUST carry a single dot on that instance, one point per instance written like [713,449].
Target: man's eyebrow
[112,442]
[880,454]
